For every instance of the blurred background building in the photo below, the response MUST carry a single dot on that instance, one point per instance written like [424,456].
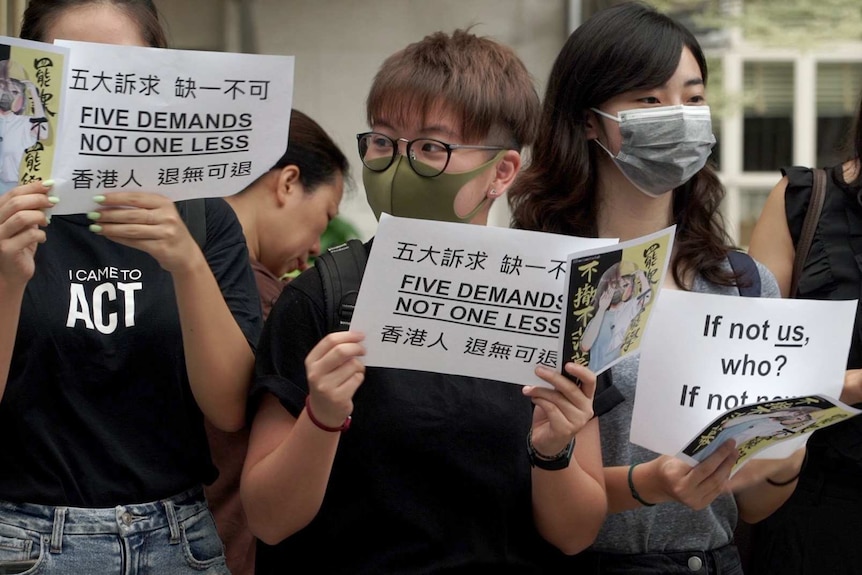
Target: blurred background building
[785,75]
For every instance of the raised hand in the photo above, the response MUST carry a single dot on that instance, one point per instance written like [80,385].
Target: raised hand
[334,374]
[696,487]
[148,222]
[563,410]
[21,215]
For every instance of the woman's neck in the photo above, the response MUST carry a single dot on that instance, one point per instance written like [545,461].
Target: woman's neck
[625,212]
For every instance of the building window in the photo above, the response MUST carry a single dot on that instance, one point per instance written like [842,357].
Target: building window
[838,90]
[768,116]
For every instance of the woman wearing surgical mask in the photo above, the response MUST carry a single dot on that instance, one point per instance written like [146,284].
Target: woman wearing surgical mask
[622,151]
[398,471]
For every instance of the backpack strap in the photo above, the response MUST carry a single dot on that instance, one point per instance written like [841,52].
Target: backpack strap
[809,226]
[194,214]
[746,270]
[341,269]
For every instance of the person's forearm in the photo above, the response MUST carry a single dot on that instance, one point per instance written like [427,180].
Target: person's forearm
[647,483]
[569,505]
[219,359]
[283,491]
[763,485]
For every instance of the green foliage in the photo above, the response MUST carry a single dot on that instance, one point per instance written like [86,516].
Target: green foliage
[801,24]
[337,232]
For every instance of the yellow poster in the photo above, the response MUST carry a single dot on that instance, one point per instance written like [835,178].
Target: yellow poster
[610,295]
[32,76]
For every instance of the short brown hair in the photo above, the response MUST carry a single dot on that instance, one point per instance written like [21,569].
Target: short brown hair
[481,81]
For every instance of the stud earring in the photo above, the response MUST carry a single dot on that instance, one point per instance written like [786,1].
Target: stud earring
[492,192]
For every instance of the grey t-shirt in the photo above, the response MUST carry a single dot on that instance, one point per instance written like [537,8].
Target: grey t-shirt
[667,526]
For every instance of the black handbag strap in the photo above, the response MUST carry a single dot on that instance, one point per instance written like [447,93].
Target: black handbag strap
[809,225]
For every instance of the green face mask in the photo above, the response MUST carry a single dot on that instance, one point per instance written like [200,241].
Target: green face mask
[400,191]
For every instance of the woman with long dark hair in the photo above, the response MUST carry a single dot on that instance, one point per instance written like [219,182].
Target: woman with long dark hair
[623,148]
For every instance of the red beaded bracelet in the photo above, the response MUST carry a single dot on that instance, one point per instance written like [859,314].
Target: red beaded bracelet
[344,426]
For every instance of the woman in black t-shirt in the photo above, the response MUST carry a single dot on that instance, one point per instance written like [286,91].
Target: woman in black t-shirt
[116,333]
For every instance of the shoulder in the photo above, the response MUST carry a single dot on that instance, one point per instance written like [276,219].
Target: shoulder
[768,284]
[219,212]
[796,190]
[306,287]
[222,226]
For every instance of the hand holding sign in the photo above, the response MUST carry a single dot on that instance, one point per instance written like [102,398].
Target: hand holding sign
[564,409]
[707,354]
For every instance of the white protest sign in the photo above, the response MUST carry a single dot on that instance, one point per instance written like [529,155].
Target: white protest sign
[181,123]
[463,299]
[706,354]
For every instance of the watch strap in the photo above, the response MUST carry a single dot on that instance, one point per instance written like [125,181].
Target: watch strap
[553,463]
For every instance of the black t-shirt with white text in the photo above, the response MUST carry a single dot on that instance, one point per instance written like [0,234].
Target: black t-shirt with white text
[97,409]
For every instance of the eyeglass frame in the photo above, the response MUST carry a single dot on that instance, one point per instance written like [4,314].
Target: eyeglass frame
[409,143]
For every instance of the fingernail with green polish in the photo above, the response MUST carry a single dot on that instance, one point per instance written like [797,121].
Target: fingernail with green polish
[48,217]
[48,183]
[94,215]
[95,228]
[54,199]
[98,199]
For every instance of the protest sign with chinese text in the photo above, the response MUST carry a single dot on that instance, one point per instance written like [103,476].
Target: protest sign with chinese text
[181,123]
[464,299]
[611,291]
[32,78]
[706,354]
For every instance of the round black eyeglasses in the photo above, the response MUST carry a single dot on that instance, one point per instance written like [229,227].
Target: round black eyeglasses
[427,157]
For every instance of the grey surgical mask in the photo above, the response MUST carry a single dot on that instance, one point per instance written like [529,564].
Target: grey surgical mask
[6,101]
[662,148]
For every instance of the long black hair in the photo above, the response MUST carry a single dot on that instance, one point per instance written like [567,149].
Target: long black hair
[626,47]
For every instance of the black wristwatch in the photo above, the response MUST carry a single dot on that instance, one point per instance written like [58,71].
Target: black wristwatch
[559,461]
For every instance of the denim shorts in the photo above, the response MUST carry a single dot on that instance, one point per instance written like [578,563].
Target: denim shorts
[174,536]
[722,561]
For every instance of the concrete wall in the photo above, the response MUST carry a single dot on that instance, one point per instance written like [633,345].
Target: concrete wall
[339,44]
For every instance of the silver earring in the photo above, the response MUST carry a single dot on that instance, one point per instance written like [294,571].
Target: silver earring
[492,192]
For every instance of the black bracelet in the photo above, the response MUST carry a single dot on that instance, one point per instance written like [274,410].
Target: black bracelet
[792,479]
[634,491]
[550,463]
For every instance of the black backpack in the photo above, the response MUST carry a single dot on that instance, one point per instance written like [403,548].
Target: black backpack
[341,269]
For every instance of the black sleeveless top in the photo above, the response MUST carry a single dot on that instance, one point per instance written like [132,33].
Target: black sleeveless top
[833,271]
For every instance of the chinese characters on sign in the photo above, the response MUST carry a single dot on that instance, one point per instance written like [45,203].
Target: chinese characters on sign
[610,294]
[32,77]
[184,124]
[465,300]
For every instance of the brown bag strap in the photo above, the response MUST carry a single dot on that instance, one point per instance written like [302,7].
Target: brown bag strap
[809,225]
